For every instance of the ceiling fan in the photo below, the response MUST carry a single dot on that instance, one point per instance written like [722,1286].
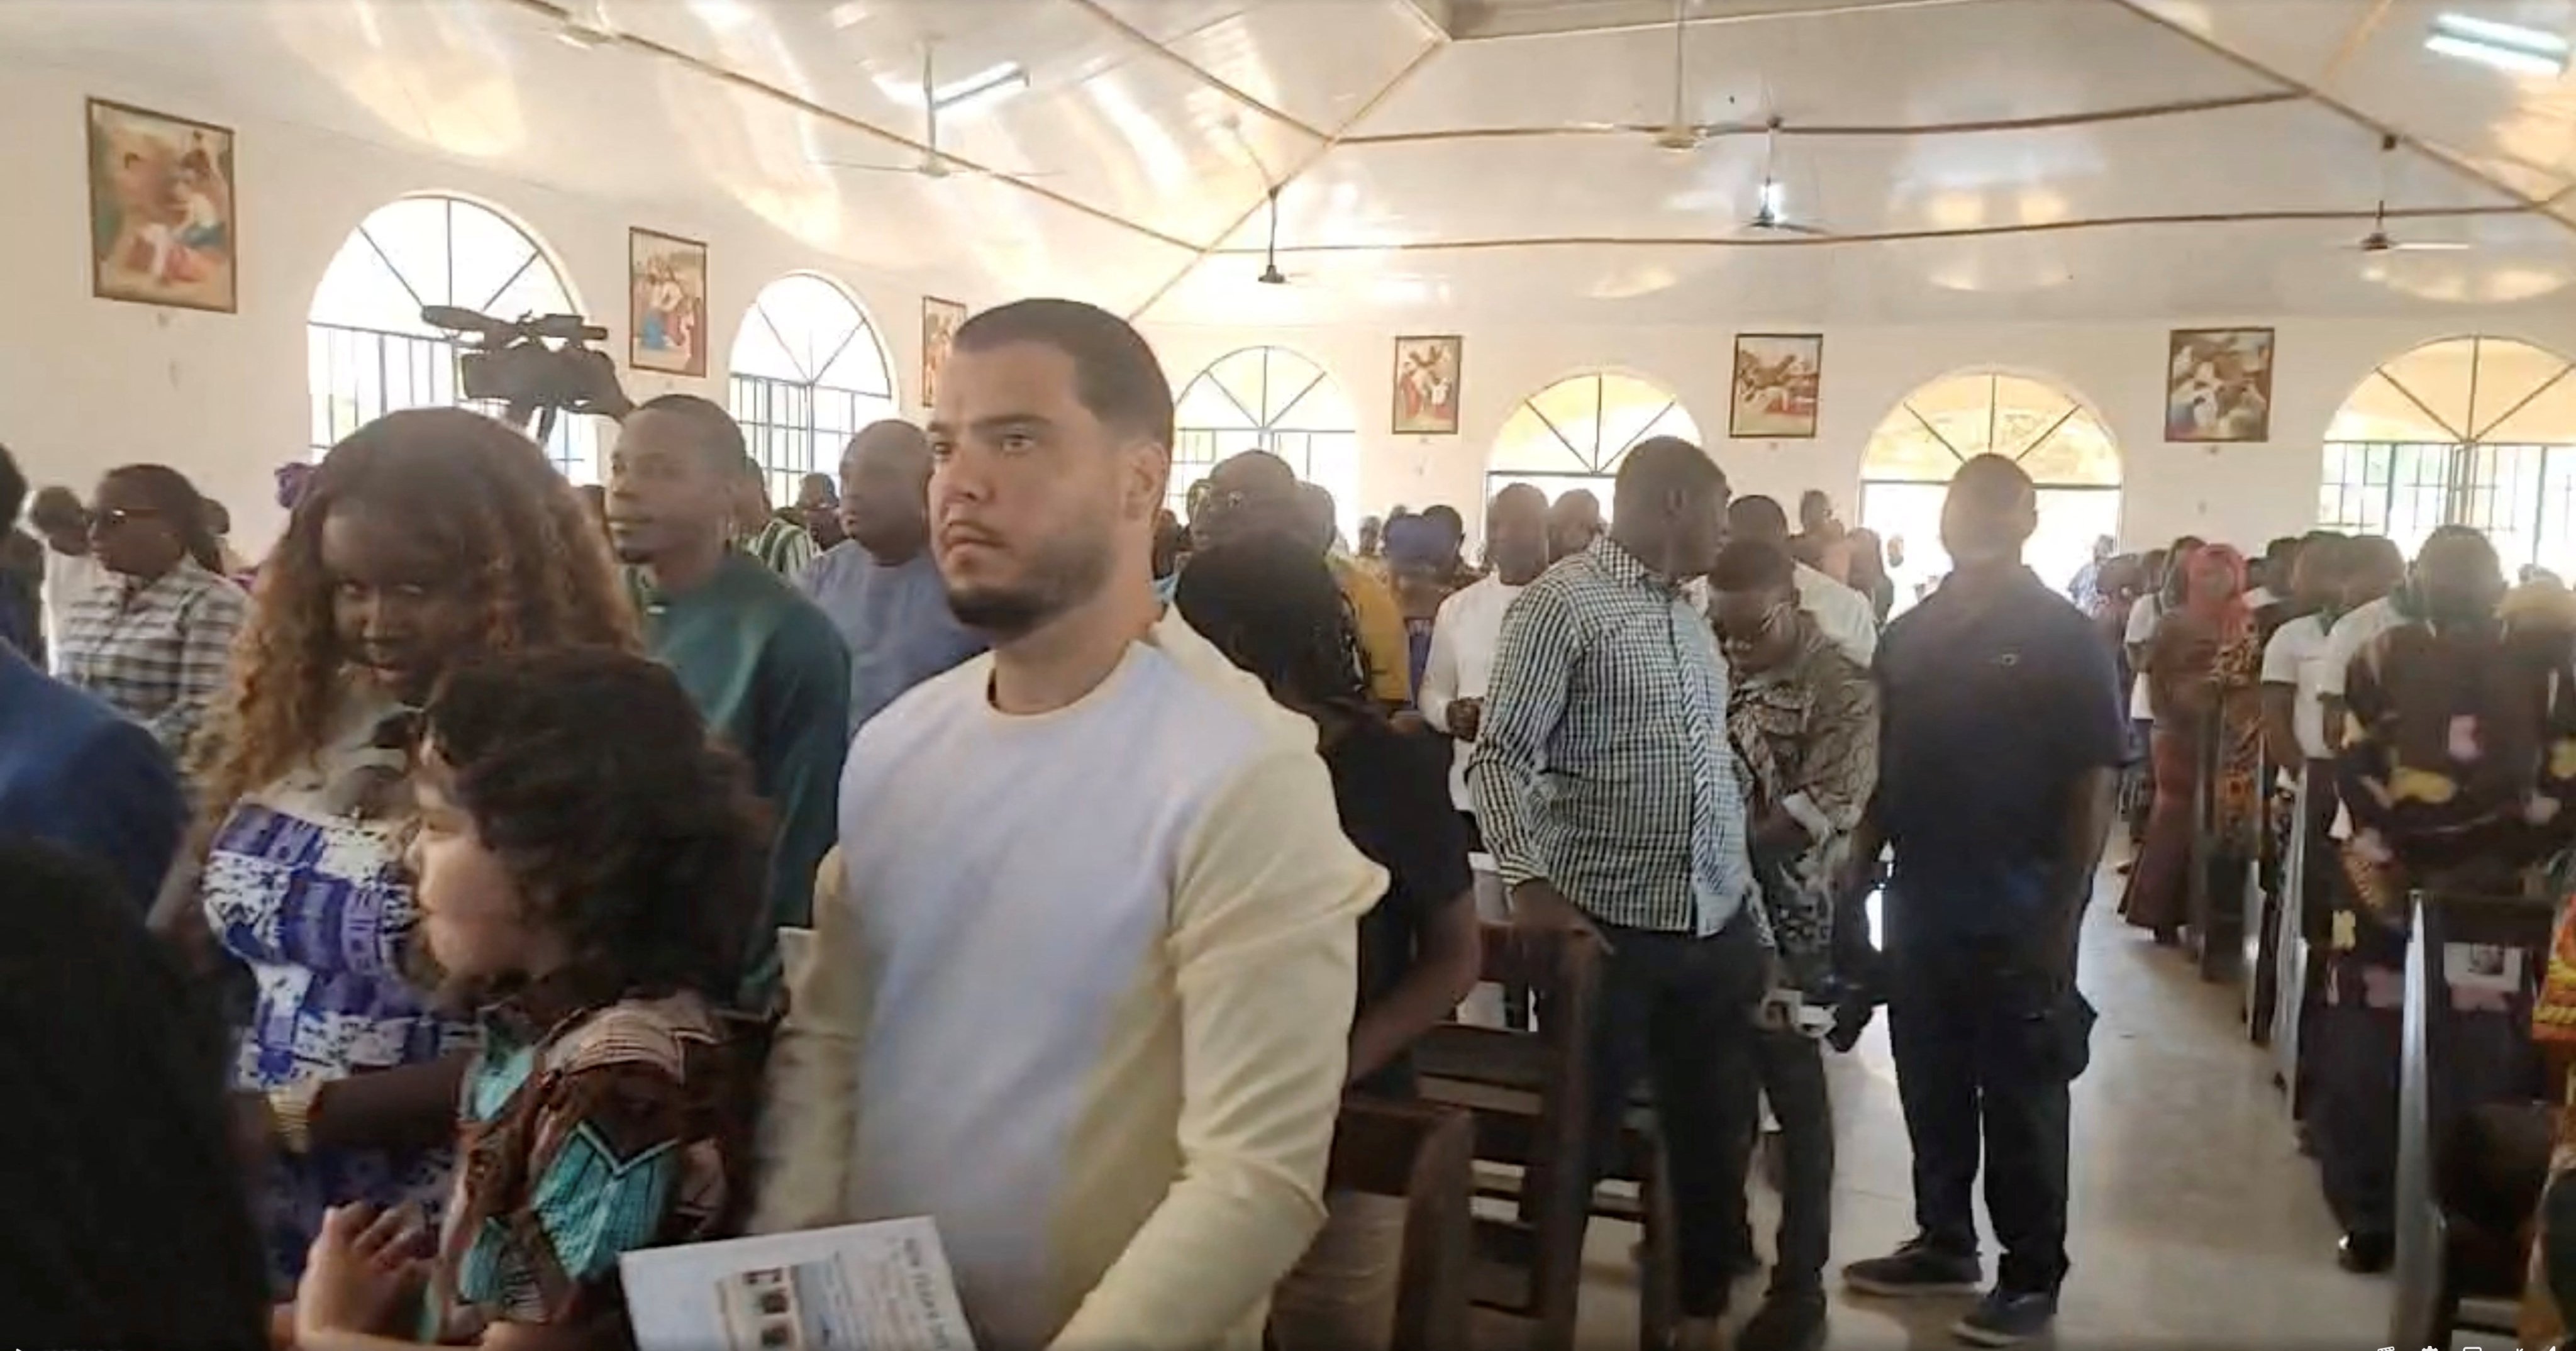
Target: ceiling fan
[934,164]
[2379,240]
[1676,134]
[1681,136]
[1770,210]
[1270,273]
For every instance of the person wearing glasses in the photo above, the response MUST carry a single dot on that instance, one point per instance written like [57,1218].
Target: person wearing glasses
[156,640]
[1802,718]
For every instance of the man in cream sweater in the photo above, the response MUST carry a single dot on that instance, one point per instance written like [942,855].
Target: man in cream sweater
[1081,974]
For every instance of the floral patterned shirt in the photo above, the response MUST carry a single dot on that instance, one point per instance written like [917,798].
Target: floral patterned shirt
[586,1130]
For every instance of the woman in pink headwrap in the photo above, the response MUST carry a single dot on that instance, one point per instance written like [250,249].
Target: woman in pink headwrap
[2203,663]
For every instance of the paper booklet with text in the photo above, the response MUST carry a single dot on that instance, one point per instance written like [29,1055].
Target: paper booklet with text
[859,1287]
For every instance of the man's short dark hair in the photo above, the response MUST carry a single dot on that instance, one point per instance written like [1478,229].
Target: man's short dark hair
[1115,374]
[1447,518]
[1753,565]
[716,436]
[1662,465]
[13,490]
[1758,517]
[1995,482]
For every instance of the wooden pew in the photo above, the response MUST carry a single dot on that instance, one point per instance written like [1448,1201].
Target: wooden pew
[2266,885]
[2298,974]
[1425,1154]
[1529,1095]
[2437,1293]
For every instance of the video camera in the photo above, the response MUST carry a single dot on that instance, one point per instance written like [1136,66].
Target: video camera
[539,365]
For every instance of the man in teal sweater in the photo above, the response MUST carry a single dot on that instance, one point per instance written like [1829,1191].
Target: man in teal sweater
[764,665]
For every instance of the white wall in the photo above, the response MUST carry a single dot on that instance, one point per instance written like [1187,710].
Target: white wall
[87,384]
[2242,493]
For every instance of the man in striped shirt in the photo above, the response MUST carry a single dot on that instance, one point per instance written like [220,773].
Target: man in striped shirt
[1611,804]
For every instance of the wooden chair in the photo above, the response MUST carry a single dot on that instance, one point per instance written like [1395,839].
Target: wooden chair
[1425,1154]
[1528,1093]
[2441,1285]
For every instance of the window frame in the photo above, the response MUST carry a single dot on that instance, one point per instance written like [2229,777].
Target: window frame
[754,398]
[426,360]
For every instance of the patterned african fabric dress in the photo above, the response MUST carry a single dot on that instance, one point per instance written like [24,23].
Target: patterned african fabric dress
[305,886]
[588,1129]
[2550,1289]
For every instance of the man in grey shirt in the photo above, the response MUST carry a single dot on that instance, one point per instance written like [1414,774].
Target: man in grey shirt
[881,586]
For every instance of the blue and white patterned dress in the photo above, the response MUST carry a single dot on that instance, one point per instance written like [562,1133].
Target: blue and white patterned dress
[305,885]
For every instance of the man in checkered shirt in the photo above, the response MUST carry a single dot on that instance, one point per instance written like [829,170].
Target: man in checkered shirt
[1611,804]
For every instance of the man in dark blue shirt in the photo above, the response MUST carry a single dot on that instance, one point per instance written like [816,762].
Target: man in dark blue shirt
[2002,734]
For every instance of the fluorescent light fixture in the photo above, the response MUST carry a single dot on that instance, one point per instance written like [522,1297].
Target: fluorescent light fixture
[2505,46]
[989,85]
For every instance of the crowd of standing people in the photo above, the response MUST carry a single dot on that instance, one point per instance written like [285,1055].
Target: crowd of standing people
[546,878]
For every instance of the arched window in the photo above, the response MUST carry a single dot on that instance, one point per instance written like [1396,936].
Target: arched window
[808,372]
[1574,433]
[1905,472]
[1273,399]
[369,352]
[2473,431]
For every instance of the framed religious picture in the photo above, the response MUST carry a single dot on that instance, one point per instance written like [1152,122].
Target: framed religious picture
[939,321]
[2218,385]
[163,222]
[1427,371]
[1777,376]
[666,316]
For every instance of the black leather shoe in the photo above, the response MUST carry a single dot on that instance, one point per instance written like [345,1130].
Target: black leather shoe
[2366,1254]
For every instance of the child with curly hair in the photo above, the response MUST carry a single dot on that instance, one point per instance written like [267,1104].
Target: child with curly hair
[425,538]
[589,864]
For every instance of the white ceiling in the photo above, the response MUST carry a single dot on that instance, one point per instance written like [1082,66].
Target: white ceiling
[1479,159]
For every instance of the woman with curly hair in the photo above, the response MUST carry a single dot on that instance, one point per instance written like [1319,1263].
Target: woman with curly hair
[589,866]
[425,538]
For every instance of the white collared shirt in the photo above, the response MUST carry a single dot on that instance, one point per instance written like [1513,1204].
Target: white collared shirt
[1464,635]
[1845,615]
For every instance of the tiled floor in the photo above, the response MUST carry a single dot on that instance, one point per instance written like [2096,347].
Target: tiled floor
[2195,1221]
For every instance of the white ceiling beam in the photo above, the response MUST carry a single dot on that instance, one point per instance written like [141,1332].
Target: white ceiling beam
[1145,42]
[1464,27]
[2086,223]
[794,101]
[1421,58]
[2324,99]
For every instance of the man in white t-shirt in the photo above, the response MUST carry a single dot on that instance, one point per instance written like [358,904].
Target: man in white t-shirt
[2294,660]
[2373,571]
[70,571]
[1081,978]
[1845,615]
[1464,634]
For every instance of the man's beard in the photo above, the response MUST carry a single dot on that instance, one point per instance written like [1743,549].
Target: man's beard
[1066,573]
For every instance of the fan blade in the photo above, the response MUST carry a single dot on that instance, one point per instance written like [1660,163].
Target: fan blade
[1770,225]
[2431,246]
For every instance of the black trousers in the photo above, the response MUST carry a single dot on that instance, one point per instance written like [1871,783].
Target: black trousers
[1678,1010]
[2354,1126]
[1982,1059]
[1791,1069]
